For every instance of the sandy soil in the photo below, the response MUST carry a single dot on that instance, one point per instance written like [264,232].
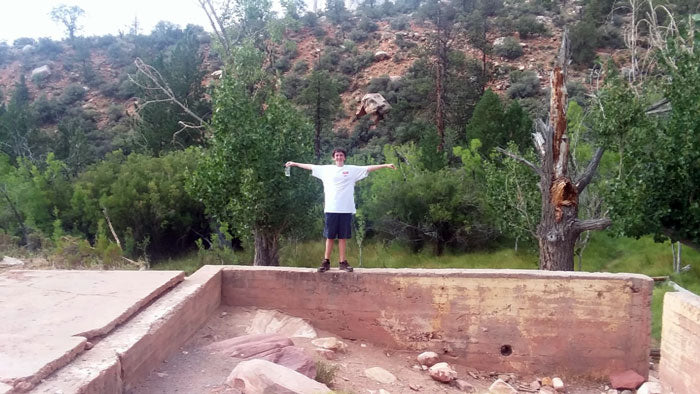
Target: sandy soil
[194,370]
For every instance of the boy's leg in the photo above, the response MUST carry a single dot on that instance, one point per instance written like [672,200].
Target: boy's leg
[341,248]
[329,248]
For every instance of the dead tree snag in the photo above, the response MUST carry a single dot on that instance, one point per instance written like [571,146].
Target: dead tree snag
[559,224]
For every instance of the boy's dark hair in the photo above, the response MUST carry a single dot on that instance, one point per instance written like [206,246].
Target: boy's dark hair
[339,150]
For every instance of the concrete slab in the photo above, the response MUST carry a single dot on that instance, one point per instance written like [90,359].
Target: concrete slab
[48,316]
[140,345]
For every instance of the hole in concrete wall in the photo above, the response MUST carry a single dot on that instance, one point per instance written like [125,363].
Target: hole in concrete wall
[506,350]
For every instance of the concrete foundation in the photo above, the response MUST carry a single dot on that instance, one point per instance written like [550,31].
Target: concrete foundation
[563,323]
[679,367]
[495,320]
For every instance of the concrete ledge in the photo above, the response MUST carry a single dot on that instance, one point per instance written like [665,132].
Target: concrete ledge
[679,367]
[137,347]
[526,321]
[51,314]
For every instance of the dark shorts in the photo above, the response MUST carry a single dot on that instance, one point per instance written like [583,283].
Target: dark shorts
[338,225]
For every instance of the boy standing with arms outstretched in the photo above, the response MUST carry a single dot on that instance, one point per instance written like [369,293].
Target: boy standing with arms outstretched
[339,201]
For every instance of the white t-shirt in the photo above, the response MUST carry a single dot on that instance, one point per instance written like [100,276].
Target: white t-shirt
[339,186]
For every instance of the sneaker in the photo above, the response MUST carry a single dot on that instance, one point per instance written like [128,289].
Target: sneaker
[325,265]
[344,266]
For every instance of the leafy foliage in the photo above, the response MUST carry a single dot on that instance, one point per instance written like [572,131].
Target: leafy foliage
[240,178]
[419,206]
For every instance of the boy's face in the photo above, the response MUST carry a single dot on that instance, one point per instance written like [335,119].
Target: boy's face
[339,158]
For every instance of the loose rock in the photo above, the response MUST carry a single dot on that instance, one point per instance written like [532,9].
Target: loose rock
[650,388]
[463,385]
[8,261]
[428,358]
[501,387]
[261,376]
[381,375]
[626,380]
[442,372]
[331,343]
[558,384]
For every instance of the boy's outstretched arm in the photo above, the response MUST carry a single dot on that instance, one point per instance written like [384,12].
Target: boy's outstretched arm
[300,165]
[380,166]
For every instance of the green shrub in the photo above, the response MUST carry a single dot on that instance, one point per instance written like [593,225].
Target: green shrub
[49,48]
[47,111]
[509,49]
[292,85]
[367,25]
[40,79]
[403,43]
[358,35]
[523,84]
[283,64]
[301,67]
[325,372]
[71,94]
[584,41]
[401,22]
[528,26]
[610,37]
[22,41]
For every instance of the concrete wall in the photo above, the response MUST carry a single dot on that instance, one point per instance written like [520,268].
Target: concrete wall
[493,320]
[679,367]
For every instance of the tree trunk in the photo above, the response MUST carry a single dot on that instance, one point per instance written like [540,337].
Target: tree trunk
[266,247]
[559,226]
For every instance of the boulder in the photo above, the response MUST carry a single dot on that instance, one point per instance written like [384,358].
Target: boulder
[428,358]
[629,380]
[295,359]
[650,388]
[274,322]
[380,375]
[558,384]
[373,104]
[43,71]
[501,387]
[262,376]
[499,41]
[442,372]
[463,385]
[250,346]
[381,56]
[8,261]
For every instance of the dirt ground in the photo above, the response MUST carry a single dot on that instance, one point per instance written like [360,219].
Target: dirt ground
[195,370]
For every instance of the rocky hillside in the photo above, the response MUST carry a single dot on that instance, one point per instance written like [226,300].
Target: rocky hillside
[99,66]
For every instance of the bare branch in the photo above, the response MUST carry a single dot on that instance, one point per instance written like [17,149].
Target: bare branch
[658,107]
[218,27]
[538,139]
[587,175]
[591,224]
[159,84]
[109,223]
[520,159]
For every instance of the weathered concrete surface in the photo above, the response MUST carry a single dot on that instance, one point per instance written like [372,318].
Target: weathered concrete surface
[137,347]
[49,315]
[679,367]
[589,324]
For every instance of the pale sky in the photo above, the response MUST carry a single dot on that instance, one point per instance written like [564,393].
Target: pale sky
[30,18]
